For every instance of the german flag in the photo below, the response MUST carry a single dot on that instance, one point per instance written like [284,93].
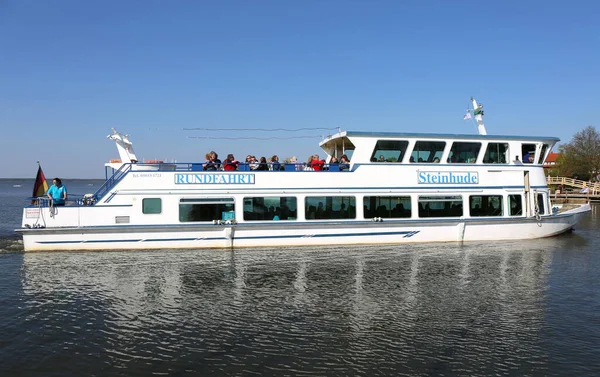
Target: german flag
[40,186]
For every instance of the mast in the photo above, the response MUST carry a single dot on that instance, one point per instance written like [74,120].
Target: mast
[124,146]
[478,113]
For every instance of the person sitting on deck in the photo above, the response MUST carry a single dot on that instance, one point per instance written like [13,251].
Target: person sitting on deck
[308,166]
[316,163]
[263,164]
[334,161]
[344,163]
[230,163]
[275,164]
[253,163]
[213,163]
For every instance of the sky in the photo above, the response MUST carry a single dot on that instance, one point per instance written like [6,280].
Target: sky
[72,70]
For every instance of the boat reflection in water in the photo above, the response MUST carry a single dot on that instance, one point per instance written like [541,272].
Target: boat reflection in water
[467,309]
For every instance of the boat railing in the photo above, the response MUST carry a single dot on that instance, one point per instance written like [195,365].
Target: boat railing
[197,167]
[111,182]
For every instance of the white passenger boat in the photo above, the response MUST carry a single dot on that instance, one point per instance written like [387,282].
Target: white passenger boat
[398,188]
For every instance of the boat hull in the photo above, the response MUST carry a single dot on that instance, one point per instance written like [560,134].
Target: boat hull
[281,234]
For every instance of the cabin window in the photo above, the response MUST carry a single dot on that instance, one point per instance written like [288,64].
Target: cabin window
[428,151]
[542,155]
[387,207]
[440,206]
[206,209]
[515,205]
[496,153]
[389,151]
[329,207]
[270,208]
[528,153]
[541,207]
[485,205]
[462,152]
[151,205]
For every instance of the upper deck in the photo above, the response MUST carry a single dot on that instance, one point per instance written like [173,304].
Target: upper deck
[380,147]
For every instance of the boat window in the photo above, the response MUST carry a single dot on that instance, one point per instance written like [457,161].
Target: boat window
[440,206]
[496,153]
[387,207]
[329,207]
[515,204]
[389,151]
[428,151]
[485,205]
[151,205]
[542,155]
[206,209]
[270,208]
[528,153]
[541,207]
[463,152]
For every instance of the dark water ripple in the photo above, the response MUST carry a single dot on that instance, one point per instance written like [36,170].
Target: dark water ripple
[525,308]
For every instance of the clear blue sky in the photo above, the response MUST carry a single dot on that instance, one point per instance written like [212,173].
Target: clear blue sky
[71,70]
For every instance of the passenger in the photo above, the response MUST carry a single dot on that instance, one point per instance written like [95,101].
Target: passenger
[247,161]
[420,159]
[230,163]
[207,160]
[320,211]
[344,163]
[334,161]
[263,164]
[381,158]
[316,163]
[308,166]
[57,193]
[253,163]
[527,158]
[294,161]
[275,164]
[213,163]
[436,160]
[343,212]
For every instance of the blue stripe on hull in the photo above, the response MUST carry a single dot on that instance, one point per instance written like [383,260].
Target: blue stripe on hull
[406,234]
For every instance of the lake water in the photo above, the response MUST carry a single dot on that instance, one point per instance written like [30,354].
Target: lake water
[527,308]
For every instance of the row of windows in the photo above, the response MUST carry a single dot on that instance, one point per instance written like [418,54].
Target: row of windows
[343,207]
[460,152]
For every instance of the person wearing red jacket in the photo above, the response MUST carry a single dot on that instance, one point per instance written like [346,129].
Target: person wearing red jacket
[317,163]
[230,163]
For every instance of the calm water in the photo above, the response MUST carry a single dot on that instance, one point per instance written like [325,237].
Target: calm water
[507,308]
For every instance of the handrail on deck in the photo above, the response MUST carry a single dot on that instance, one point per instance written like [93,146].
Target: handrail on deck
[112,181]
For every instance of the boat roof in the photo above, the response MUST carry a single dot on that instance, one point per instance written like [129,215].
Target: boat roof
[411,135]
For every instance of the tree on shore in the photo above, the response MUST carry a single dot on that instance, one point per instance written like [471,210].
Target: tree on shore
[580,158]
